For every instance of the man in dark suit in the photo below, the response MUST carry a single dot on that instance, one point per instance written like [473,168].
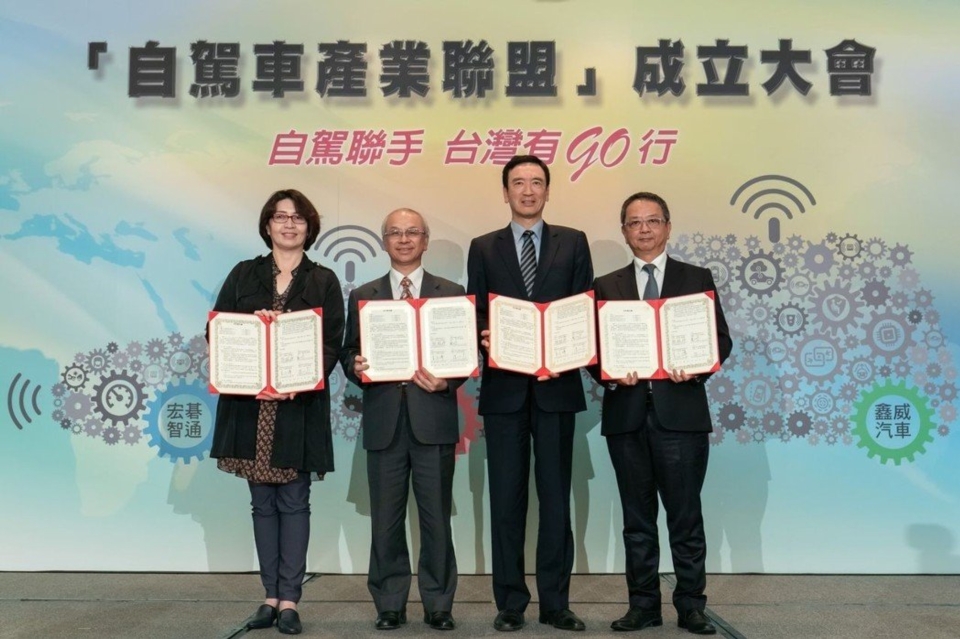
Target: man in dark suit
[529,260]
[408,429]
[657,432]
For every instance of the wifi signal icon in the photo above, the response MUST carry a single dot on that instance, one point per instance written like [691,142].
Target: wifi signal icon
[349,242]
[21,401]
[770,195]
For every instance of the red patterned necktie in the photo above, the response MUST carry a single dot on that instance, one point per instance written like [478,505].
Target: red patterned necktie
[405,285]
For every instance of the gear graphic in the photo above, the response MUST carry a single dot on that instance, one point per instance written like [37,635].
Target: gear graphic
[180,421]
[156,349]
[744,436]
[894,422]
[799,286]
[900,255]
[98,360]
[799,424]
[120,361]
[818,259]
[752,243]
[836,308]
[111,435]
[875,293]
[197,345]
[716,437]
[131,434]
[867,270]
[772,423]
[119,397]
[112,347]
[849,247]
[761,274]
[813,439]
[155,375]
[59,389]
[77,406]
[822,402]
[350,428]
[93,427]
[58,415]
[721,389]
[818,357]
[758,392]
[795,243]
[731,417]
[923,298]
[908,279]
[180,363]
[134,349]
[889,336]
[74,377]
[175,340]
[719,270]
[791,319]
[876,248]
[821,426]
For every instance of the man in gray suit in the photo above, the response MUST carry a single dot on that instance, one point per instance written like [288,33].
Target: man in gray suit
[409,428]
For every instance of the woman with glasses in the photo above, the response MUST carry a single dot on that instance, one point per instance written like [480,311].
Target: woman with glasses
[280,442]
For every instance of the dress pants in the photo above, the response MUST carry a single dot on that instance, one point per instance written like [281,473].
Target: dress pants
[281,530]
[654,460]
[508,439]
[389,472]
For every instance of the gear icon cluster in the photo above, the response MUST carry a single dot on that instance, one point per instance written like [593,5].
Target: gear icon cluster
[104,393]
[820,328]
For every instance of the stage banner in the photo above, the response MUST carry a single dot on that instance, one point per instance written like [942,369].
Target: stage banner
[806,150]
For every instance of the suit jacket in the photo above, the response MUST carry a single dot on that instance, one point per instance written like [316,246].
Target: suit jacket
[563,269]
[434,417]
[681,406]
[302,439]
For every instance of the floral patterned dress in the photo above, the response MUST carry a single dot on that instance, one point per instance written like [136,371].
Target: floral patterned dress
[259,469]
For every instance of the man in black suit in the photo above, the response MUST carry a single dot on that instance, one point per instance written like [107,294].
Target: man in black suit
[408,429]
[657,432]
[529,260]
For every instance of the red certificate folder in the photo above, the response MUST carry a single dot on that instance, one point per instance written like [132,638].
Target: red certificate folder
[250,355]
[542,338]
[650,335]
[398,337]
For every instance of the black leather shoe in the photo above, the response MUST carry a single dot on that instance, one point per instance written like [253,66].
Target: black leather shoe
[439,620]
[288,622]
[391,619]
[508,620]
[696,622]
[264,617]
[637,619]
[562,620]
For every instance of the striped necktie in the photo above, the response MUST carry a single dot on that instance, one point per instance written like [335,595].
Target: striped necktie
[650,291]
[528,262]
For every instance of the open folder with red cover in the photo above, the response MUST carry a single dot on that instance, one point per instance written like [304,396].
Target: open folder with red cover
[250,354]
[651,337]
[399,337]
[542,338]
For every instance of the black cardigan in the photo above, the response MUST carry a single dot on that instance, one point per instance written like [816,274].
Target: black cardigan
[303,438]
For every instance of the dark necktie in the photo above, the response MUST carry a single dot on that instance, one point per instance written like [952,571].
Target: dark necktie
[528,262]
[405,285]
[650,291]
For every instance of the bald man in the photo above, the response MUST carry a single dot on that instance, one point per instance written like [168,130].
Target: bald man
[410,429]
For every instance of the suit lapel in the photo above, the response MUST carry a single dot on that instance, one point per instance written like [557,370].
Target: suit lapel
[674,275]
[429,285]
[381,289]
[549,246]
[508,253]
[627,282]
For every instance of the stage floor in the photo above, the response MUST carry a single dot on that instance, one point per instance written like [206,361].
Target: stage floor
[186,606]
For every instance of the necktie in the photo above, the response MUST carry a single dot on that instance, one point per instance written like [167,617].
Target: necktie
[528,262]
[405,285]
[650,291]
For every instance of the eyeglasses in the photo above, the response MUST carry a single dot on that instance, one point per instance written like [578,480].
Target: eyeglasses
[654,223]
[283,218]
[396,234]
